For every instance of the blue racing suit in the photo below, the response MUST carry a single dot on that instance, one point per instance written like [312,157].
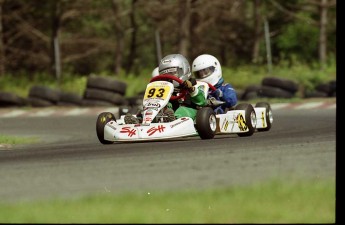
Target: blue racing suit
[226,93]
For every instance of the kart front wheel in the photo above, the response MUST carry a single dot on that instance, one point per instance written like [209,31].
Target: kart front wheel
[102,120]
[206,123]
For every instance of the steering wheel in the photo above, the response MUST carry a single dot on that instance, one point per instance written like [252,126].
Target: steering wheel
[169,77]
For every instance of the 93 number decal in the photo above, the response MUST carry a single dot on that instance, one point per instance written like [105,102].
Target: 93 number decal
[153,92]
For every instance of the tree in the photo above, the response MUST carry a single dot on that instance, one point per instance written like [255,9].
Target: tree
[119,33]
[134,31]
[106,36]
[257,31]
[2,45]
[184,18]
[55,46]
[304,14]
[323,5]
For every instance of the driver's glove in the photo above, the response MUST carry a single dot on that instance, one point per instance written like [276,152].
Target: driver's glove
[188,85]
[211,101]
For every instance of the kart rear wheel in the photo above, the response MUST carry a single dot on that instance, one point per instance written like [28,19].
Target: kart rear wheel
[249,120]
[206,123]
[269,115]
[102,120]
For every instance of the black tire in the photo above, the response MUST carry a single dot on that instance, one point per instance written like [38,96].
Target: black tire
[206,123]
[68,97]
[251,91]
[285,84]
[252,87]
[328,88]
[251,95]
[106,83]
[10,99]
[103,95]
[315,94]
[269,117]
[247,121]
[102,119]
[274,92]
[239,94]
[44,93]
[38,102]
[333,85]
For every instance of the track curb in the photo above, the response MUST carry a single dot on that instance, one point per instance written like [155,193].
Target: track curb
[94,111]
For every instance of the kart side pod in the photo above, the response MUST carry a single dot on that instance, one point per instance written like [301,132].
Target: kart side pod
[245,119]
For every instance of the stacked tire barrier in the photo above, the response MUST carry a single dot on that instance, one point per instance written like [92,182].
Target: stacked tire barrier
[271,87]
[69,99]
[8,99]
[104,91]
[99,91]
[322,90]
[43,96]
[107,91]
[275,87]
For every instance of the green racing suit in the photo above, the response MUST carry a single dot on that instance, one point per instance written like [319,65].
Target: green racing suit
[188,107]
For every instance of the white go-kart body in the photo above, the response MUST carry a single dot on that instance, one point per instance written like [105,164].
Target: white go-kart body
[243,120]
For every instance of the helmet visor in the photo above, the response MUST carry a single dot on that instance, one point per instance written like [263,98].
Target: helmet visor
[204,72]
[173,71]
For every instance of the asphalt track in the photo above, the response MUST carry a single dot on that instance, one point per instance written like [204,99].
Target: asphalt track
[70,162]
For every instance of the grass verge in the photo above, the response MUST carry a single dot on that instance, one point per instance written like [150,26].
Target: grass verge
[276,201]
[7,141]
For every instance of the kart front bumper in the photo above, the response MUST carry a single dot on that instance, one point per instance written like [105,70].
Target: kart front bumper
[181,127]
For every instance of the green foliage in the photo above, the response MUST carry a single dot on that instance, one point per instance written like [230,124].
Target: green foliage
[92,32]
[298,40]
[306,75]
[243,76]
[276,201]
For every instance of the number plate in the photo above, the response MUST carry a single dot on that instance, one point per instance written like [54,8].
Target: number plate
[157,90]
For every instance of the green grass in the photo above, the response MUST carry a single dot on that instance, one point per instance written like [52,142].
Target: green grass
[276,201]
[11,140]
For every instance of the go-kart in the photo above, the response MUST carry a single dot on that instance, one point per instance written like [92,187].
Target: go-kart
[243,120]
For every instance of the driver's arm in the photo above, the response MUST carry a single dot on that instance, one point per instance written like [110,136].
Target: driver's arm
[197,94]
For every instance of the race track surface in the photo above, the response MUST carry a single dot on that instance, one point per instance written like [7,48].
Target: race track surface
[70,161]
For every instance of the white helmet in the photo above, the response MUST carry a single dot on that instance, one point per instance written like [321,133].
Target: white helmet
[155,72]
[177,65]
[207,68]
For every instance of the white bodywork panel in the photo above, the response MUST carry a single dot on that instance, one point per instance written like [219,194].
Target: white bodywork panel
[261,121]
[232,122]
[181,127]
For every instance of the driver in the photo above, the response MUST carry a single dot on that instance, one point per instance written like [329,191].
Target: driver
[207,68]
[178,65]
